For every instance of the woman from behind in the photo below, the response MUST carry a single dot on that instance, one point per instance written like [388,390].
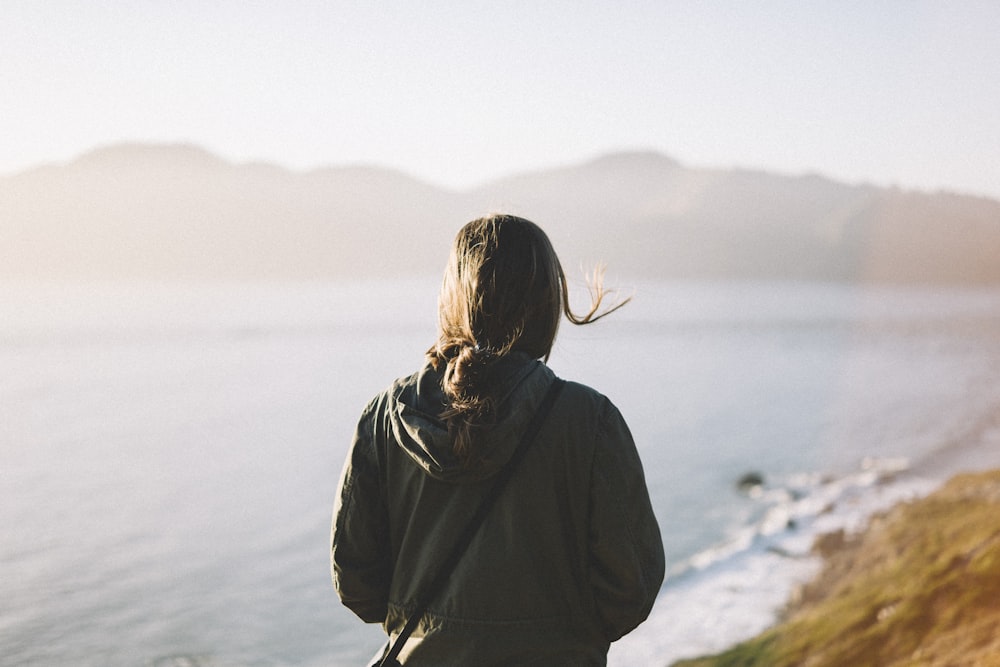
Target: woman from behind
[568,557]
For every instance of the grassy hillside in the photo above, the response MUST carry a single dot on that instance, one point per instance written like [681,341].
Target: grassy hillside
[920,587]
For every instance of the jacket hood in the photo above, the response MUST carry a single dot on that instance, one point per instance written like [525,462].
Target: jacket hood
[416,402]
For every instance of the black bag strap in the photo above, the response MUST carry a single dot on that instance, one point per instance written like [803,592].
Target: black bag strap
[500,480]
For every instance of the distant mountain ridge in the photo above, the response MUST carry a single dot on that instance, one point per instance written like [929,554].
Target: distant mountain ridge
[141,211]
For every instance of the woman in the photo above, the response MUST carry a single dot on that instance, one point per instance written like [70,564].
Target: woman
[569,557]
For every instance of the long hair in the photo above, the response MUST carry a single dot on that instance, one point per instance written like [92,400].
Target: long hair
[504,291]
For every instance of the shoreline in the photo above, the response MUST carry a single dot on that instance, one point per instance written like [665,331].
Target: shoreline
[736,591]
[918,586]
[739,588]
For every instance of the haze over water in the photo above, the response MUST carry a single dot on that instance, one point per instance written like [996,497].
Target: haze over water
[171,453]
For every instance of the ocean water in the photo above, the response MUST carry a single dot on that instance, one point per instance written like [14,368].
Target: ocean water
[169,454]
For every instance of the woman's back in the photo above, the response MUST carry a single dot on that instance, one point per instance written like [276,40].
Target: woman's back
[568,559]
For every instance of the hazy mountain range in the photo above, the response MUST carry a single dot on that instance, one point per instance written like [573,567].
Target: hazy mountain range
[137,211]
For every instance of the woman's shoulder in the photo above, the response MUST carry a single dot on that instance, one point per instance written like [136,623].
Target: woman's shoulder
[583,398]
[420,386]
[583,391]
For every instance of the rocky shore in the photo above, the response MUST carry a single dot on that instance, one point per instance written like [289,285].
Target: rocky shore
[920,586]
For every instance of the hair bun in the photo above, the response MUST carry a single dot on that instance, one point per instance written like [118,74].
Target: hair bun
[468,368]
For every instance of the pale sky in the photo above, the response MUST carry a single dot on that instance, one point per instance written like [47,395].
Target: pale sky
[456,92]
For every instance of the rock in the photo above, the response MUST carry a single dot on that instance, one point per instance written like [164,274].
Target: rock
[749,481]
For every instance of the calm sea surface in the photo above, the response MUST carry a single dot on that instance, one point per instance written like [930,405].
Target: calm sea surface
[169,454]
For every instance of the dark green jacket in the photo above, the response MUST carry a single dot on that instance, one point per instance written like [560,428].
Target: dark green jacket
[569,560]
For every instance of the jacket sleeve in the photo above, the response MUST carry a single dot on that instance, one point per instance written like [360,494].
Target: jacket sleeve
[360,559]
[626,550]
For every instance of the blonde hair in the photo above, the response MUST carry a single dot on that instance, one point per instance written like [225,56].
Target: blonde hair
[503,291]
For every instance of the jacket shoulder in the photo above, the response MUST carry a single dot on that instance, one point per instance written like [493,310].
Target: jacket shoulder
[587,402]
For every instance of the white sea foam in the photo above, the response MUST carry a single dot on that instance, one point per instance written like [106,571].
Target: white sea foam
[736,589]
